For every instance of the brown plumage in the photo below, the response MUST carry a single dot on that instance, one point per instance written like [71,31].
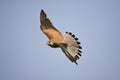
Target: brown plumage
[68,42]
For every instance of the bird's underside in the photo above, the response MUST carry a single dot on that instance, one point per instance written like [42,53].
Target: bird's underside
[67,42]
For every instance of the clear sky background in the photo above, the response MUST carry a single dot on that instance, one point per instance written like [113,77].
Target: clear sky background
[24,54]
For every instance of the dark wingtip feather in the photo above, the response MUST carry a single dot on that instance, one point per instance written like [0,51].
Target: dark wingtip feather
[76,63]
[42,15]
[70,33]
[66,32]
[80,51]
[76,39]
[79,54]
[78,42]
[73,35]
[42,10]
[77,57]
[80,47]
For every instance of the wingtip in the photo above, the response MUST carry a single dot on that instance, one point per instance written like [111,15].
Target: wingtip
[42,15]
[42,11]
[76,63]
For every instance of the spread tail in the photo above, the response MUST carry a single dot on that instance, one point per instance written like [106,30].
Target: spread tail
[73,48]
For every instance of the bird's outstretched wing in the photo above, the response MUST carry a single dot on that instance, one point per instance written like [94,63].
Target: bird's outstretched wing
[48,28]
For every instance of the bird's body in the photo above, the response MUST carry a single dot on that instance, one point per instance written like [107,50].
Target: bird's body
[68,42]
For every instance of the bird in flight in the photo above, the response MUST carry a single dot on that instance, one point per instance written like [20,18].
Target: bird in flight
[68,42]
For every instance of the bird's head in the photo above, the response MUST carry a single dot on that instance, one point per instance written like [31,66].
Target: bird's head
[51,44]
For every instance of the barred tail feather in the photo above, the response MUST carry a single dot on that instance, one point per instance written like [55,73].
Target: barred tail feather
[72,50]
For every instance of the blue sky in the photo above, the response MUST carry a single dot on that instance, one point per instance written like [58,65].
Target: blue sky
[24,54]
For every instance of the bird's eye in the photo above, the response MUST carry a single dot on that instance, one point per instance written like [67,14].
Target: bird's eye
[51,43]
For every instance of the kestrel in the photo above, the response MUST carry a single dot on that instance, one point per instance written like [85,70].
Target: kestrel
[67,42]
